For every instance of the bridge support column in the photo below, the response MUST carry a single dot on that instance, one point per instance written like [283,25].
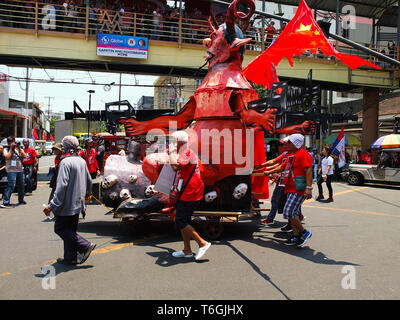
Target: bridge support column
[370,117]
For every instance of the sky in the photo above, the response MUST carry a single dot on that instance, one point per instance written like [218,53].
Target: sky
[63,95]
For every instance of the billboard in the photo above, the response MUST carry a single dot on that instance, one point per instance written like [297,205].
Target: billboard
[112,45]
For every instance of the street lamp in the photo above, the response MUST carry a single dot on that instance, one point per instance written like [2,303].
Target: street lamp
[90,104]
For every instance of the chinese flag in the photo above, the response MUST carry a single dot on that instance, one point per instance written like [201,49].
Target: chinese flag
[51,137]
[301,34]
[34,134]
[44,136]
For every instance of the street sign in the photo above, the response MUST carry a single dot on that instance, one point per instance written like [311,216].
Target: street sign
[112,45]
[3,77]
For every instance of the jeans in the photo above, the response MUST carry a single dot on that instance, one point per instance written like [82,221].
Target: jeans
[28,178]
[315,169]
[155,35]
[13,179]
[277,195]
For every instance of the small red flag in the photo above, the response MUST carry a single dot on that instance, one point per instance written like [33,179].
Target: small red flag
[34,134]
[44,136]
[301,34]
[51,137]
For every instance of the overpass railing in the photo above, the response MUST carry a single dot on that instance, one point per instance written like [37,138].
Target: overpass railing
[87,21]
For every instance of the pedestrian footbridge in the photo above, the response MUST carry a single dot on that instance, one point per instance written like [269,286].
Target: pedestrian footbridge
[28,39]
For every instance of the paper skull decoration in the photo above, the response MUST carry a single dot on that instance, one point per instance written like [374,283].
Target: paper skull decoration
[240,191]
[150,191]
[125,194]
[109,181]
[133,178]
[113,196]
[211,196]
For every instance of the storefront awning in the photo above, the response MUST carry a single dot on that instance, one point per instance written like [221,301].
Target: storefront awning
[10,113]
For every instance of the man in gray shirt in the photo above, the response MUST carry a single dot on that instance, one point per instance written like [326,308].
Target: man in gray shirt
[73,185]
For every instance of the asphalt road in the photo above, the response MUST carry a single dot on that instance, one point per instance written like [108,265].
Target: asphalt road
[353,254]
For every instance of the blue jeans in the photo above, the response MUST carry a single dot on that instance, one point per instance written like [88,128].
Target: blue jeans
[29,178]
[315,169]
[278,193]
[155,35]
[14,178]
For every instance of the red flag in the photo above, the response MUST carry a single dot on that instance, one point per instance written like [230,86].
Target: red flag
[301,34]
[51,137]
[34,134]
[44,136]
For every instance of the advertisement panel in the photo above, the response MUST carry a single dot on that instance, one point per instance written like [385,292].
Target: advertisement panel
[112,45]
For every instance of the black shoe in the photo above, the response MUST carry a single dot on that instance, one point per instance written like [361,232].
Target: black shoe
[6,206]
[21,203]
[330,199]
[66,263]
[304,238]
[83,257]
[287,228]
[292,241]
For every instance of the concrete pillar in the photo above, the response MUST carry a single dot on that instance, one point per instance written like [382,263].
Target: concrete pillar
[15,124]
[370,117]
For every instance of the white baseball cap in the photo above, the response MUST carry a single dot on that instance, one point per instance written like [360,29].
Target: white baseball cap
[297,140]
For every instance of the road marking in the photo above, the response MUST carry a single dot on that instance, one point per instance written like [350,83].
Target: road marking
[97,251]
[356,211]
[340,193]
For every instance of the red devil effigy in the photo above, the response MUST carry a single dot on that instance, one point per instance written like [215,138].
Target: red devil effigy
[217,116]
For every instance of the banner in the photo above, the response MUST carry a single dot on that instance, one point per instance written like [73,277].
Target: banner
[112,45]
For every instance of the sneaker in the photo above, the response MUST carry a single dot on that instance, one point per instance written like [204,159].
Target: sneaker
[6,206]
[292,241]
[202,251]
[304,238]
[287,228]
[66,263]
[181,254]
[82,257]
[267,222]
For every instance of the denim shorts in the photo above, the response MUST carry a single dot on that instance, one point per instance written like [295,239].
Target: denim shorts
[293,206]
[184,211]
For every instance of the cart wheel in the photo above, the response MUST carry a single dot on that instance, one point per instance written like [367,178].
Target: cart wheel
[213,228]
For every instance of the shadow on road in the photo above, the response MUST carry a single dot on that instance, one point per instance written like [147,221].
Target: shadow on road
[60,268]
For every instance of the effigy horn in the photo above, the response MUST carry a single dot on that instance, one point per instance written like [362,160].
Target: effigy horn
[233,13]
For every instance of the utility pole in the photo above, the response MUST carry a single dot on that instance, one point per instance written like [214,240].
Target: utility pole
[48,107]
[26,107]
[120,87]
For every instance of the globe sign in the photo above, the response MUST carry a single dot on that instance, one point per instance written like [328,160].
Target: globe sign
[105,40]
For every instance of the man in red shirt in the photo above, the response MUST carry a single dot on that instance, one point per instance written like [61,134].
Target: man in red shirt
[299,167]
[31,163]
[89,154]
[185,162]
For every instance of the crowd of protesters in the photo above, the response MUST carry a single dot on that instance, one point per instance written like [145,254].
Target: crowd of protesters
[154,22]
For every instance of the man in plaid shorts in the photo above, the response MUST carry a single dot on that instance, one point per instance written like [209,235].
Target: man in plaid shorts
[300,165]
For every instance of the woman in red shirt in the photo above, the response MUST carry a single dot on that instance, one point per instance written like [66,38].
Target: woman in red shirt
[89,154]
[185,162]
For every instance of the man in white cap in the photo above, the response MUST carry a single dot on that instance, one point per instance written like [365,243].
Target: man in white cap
[298,187]
[73,185]
[191,188]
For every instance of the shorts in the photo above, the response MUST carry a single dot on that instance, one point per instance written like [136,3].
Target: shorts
[184,211]
[293,206]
